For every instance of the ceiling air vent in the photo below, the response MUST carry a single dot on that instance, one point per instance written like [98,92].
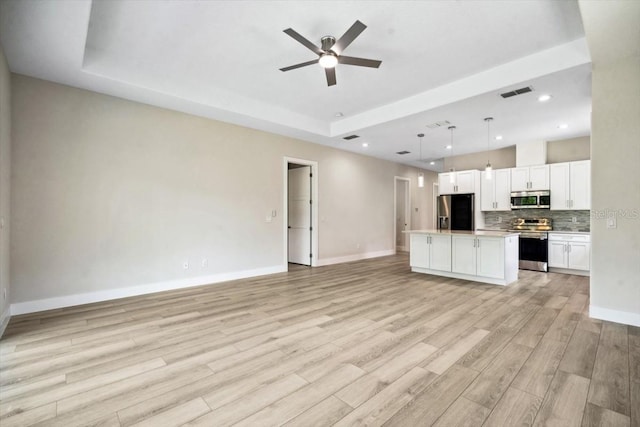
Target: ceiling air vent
[439,124]
[402,153]
[516,92]
[350,137]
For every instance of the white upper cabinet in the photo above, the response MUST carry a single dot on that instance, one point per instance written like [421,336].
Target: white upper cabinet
[530,178]
[462,182]
[571,185]
[495,193]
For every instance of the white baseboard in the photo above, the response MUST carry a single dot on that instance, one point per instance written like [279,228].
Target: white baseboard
[106,295]
[616,316]
[5,316]
[354,257]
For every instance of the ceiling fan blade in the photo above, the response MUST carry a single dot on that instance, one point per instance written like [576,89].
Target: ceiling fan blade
[348,37]
[362,62]
[331,76]
[303,41]
[302,64]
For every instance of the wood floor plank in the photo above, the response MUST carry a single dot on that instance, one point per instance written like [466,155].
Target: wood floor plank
[515,408]
[178,415]
[463,413]
[361,343]
[610,379]
[305,398]
[595,416]
[379,408]
[368,385]
[580,354]
[251,402]
[492,382]
[324,414]
[564,403]
[446,358]
[538,371]
[427,406]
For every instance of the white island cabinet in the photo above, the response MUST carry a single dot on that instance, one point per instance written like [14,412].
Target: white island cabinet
[481,256]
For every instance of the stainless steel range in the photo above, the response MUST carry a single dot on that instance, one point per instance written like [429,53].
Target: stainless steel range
[534,251]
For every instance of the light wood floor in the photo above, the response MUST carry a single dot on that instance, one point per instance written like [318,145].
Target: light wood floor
[364,343]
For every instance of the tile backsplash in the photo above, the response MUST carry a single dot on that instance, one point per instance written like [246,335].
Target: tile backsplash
[562,220]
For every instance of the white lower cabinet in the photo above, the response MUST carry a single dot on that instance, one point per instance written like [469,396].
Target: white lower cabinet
[430,251]
[570,251]
[481,256]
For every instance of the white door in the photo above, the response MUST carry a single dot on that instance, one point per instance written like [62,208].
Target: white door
[539,177]
[559,184]
[464,182]
[299,215]
[440,252]
[463,254]
[579,254]
[520,179]
[557,254]
[580,185]
[487,192]
[502,178]
[419,253]
[490,257]
[403,212]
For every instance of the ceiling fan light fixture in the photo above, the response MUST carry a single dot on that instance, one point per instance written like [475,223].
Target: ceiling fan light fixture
[328,60]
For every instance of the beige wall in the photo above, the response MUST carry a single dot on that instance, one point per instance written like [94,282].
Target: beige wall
[613,36]
[501,158]
[569,150]
[615,278]
[5,174]
[564,150]
[109,193]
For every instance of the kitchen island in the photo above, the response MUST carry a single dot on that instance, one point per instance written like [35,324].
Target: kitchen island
[480,256]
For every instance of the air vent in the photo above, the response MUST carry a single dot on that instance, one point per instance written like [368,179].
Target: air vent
[350,137]
[439,124]
[402,153]
[516,92]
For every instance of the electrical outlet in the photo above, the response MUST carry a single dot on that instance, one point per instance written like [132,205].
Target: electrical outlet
[185,265]
[205,263]
[611,222]
[499,219]
[574,219]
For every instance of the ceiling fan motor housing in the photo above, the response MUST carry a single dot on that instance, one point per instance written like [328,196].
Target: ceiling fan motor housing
[327,42]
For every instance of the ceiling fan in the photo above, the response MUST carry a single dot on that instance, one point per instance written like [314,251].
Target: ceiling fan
[330,52]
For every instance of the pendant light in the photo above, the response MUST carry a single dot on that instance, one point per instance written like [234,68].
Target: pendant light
[452,170]
[420,175]
[487,169]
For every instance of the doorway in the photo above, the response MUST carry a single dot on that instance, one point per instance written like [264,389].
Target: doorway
[402,212]
[301,212]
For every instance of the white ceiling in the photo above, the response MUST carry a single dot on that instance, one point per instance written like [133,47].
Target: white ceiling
[441,60]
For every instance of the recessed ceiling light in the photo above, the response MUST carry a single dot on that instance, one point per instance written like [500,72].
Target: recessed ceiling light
[339,114]
[544,98]
[498,137]
[432,163]
[365,145]
[563,126]
[448,147]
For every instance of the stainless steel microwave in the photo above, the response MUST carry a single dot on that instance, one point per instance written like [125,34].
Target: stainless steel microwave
[531,199]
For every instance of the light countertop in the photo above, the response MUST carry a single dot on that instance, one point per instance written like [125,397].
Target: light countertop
[483,233]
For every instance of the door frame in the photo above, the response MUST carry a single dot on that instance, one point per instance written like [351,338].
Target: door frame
[285,208]
[407,201]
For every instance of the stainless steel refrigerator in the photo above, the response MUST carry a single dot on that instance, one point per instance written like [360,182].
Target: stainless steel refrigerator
[455,212]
